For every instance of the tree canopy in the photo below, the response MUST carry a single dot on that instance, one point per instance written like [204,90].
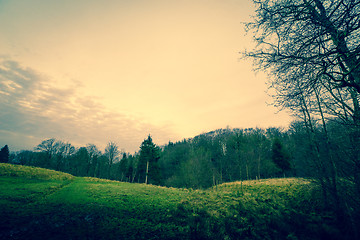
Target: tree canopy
[310,47]
[148,159]
[4,154]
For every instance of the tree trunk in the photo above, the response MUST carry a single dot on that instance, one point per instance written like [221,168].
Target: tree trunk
[258,167]
[147,172]
[247,171]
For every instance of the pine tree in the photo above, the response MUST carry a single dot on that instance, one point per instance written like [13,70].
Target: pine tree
[4,154]
[279,156]
[148,163]
[123,167]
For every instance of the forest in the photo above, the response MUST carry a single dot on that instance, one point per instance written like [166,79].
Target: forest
[209,159]
[220,156]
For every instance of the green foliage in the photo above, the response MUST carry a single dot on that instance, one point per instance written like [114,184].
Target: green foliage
[123,167]
[148,162]
[92,208]
[219,156]
[4,154]
[81,162]
[280,156]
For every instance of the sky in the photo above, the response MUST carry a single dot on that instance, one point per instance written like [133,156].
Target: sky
[91,71]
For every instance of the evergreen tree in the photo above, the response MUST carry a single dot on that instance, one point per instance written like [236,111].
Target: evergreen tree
[148,163]
[123,165]
[4,154]
[81,161]
[279,156]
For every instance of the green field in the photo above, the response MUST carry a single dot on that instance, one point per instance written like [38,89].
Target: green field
[43,204]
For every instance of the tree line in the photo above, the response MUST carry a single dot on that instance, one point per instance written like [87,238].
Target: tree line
[89,161]
[209,159]
[223,155]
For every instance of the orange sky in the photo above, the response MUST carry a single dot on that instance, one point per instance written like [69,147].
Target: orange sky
[96,71]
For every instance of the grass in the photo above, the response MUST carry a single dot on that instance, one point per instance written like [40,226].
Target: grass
[32,172]
[43,204]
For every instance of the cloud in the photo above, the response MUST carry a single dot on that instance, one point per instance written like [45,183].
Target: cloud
[32,109]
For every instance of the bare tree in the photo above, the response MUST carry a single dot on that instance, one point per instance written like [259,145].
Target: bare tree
[314,41]
[311,49]
[47,146]
[112,153]
[93,164]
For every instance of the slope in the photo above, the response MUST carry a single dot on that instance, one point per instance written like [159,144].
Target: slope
[43,204]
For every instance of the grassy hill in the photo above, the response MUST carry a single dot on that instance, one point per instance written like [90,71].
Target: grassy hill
[43,204]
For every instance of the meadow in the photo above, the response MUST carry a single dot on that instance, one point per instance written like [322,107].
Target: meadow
[37,203]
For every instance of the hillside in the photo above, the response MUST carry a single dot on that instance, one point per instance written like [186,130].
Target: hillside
[43,204]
